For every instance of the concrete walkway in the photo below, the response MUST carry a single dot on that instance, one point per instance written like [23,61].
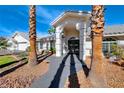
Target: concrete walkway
[60,68]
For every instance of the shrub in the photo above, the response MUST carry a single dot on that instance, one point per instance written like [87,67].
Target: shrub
[117,51]
[52,50]
[23,54]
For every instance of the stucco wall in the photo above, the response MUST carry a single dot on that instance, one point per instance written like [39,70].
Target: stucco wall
[13,45]
[70,32]
[23,46]
[44,46]
[21,43]
[121,42]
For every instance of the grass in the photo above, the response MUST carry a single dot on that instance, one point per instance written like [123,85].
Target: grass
[6,59]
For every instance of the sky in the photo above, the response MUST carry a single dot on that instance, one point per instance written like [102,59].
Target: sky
[15,18]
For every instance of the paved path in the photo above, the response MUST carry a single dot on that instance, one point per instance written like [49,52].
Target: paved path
[60,68]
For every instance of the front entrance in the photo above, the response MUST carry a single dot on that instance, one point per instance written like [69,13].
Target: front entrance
[73,45]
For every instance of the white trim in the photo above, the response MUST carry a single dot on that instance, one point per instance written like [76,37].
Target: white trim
[113,35]
[67,12]
[58,18]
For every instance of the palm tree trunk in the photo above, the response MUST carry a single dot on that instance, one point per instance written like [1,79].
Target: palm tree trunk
[32,37]
[97,28]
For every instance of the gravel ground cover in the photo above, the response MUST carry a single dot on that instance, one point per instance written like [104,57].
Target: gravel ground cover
[23,76]
[113,75]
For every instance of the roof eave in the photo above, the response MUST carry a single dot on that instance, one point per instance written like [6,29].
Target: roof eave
[58,18]
[53,23]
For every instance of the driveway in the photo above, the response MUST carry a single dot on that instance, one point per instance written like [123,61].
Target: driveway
[60,68]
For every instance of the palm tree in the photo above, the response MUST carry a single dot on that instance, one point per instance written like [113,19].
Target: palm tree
[97,28]
[32,36]
[51,30]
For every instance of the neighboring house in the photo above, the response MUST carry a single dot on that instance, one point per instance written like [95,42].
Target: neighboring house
[73,34]
[19,41]
[113,34]
[46,43]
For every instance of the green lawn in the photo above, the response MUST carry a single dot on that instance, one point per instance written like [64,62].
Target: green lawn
[6,59]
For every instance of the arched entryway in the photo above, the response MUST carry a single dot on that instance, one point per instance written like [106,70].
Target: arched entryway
[71,24]
[73,45]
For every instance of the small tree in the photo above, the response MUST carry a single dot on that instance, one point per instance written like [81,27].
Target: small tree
[3,43]
[51,30]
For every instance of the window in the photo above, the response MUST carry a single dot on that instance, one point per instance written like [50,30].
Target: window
[107,45]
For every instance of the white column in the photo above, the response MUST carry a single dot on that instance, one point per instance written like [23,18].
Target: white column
[38,43]
[49,45]
[109,48]
[59,29]
[64,51]
[45,45]
[84,41]
[81,27]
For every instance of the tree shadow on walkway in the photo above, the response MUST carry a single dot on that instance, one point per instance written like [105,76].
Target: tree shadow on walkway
[84,66]
[55,82]
[73,78]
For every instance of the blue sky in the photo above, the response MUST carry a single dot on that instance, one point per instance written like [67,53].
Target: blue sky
[15,18]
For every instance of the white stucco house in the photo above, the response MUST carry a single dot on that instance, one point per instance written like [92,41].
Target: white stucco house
[70,35]
[19,41]
[73,34]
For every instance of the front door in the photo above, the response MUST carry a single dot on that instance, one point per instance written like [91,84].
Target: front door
[73,46]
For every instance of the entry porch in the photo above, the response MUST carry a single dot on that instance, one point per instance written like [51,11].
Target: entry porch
[71,33]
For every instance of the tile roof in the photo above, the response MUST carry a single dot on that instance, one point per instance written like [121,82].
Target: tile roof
[111,30]
[114,29]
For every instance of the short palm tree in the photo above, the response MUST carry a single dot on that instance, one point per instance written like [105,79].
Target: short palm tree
[32,36]
[97,28]
[51,30]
